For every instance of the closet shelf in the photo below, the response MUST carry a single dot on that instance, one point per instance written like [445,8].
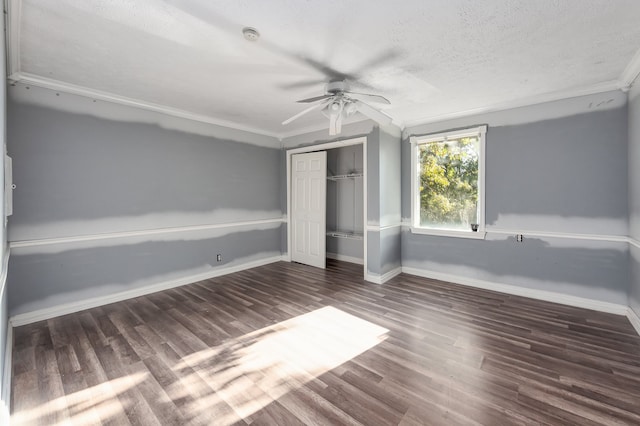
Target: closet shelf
[347,176]
[346,234]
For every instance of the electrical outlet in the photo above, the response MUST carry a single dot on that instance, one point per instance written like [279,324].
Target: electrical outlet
[519,238]
[219,258]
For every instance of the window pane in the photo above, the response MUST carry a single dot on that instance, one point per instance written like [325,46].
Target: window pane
[449,183]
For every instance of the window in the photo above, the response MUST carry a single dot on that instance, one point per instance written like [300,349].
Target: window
[447,186]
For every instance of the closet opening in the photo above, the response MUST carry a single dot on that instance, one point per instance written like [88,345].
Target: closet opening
[345,222]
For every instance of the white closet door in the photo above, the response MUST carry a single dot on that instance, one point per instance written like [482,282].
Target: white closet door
[309,209]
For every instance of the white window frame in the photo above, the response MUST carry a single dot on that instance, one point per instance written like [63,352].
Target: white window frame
[416,141]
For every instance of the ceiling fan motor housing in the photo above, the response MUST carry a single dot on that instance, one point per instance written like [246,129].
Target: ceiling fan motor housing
[337,86]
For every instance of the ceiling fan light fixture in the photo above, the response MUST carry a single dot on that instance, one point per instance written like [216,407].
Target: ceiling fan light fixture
[250,33]
[350,109]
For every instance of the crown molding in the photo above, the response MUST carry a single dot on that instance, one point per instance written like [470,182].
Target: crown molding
[606,86]
[15,75]
[631,72]
[58,85]
[61,86]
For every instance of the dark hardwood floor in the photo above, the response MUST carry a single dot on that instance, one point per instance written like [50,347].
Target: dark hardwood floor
[287,344]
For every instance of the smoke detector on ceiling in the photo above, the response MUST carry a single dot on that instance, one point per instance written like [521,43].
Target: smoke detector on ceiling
[250,33]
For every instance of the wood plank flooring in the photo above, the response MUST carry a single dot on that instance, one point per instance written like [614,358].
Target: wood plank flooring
[287,344]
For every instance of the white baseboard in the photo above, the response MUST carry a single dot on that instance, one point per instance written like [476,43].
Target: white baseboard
[634,319]
[5,414]
[5,387]
[342,257]
[381,279]
[549,296]
[68,308]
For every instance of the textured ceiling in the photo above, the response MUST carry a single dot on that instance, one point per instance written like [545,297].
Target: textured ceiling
[429,57]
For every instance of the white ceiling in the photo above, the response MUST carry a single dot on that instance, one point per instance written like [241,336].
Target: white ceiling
[431,58]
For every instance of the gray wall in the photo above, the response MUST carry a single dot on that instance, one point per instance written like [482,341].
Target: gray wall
[390,201]
[568,168]
[86,175]
[634,195]
[79,175]
[390,249]
[390,177]
[48,276]
[565,175]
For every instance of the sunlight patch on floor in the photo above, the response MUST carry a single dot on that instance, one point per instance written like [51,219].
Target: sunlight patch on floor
[250,372]
[89,406]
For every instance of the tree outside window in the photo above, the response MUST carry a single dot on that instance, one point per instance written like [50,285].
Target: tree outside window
[448,183]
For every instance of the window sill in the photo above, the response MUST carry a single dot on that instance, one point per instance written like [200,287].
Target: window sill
[449,233]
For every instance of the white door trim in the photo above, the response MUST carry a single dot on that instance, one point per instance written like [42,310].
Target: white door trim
[323,147]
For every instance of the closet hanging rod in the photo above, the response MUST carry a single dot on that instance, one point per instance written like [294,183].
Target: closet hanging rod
[345,234]
[347,176]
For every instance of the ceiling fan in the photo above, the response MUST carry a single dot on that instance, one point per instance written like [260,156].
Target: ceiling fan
[339,102]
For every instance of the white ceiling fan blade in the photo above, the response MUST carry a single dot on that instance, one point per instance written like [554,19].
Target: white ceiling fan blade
[316,98]
[300,114]
[377,116]
[369,97]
